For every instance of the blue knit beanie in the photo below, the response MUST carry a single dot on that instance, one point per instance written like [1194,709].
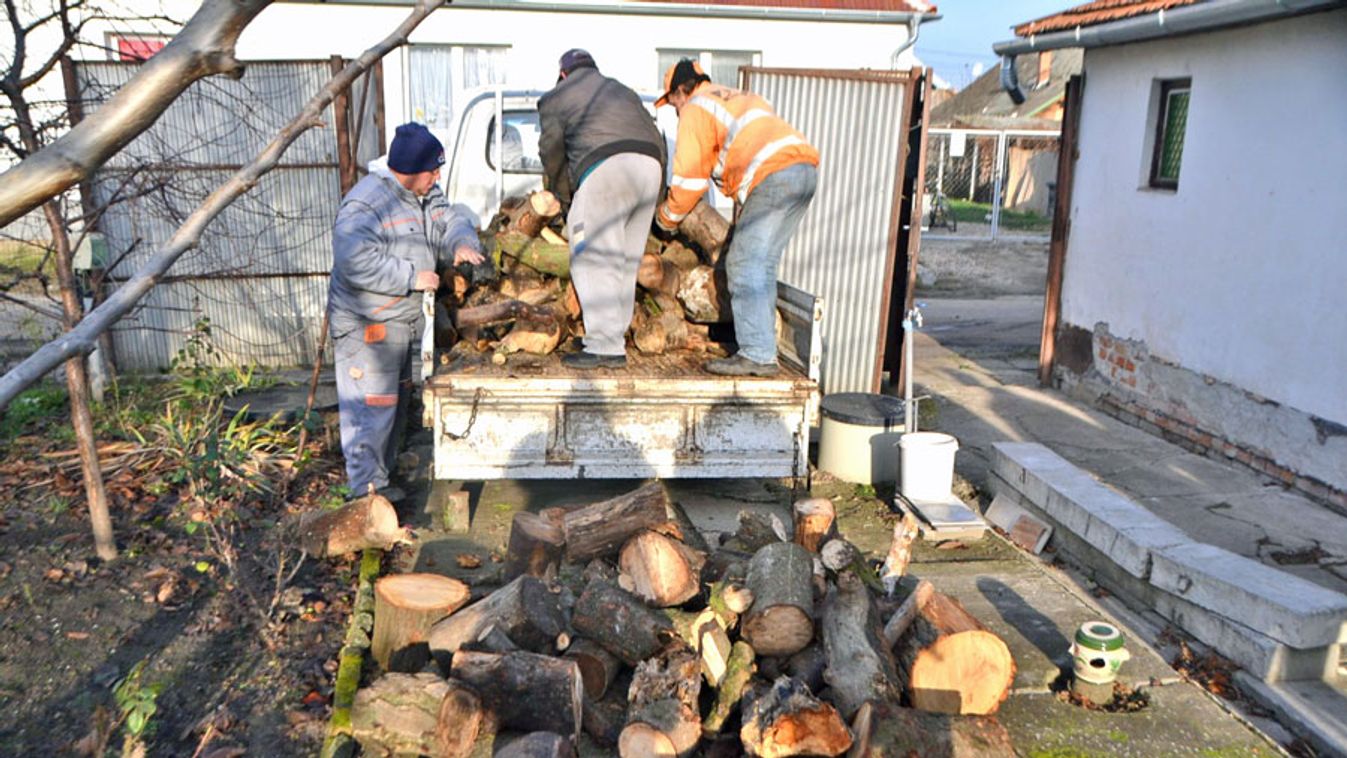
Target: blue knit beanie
[415,150]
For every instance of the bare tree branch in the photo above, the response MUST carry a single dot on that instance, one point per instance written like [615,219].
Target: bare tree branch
[51,313]
[205,46]
[81,340]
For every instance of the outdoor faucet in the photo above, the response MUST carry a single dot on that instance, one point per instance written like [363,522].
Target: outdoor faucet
[911,323]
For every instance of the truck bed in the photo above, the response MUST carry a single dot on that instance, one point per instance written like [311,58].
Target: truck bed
[681,364]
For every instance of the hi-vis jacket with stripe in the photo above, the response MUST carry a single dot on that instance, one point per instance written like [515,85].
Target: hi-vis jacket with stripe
[730,137]
[382,236]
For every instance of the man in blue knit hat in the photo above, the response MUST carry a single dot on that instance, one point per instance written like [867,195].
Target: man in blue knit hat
[394,230]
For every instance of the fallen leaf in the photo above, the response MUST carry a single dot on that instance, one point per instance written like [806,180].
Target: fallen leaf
[166,590]
[468,561]
[54,574]
[314,698]
[77,635]
[951,545]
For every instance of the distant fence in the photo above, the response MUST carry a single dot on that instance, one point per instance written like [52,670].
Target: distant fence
[983,183]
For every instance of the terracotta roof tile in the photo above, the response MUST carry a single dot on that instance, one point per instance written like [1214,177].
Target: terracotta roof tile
[1097,12]
[887,6]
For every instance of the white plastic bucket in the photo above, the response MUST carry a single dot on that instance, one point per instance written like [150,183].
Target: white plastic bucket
[927,460]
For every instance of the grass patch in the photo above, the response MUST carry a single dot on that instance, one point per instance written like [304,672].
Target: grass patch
[966,211]
[25,258]
[27,411]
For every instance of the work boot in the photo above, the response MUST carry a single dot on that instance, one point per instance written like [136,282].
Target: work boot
[738,365]
[586,360]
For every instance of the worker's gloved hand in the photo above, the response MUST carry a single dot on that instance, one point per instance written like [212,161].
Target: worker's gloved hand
[426,280]
[661,232]
[481,272]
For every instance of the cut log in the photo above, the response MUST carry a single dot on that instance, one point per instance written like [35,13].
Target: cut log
[705,296]
[525,691]
[948,662]
[364,523]
[707,229]
[499,313]
[571,302]
[758,529]
[727,600]
[860,665]
[536,334]
[784,720]
[604,720]
[532,215]
[650,273]
[715,649]
[902,618]
[813,522]
[600,529]
[492,640]
[839,555]
[524,610]
[683,528]
[808,666]
[885,730]
[662,718]
[535,548]
[724,560]
[553,237]
[781,621]
[538,254]
[398,714]
[900,552]
[461,719]
[538,745]
[664,572]
[738,672]
[621,623]
[598,667]
[405,607]
[681,256]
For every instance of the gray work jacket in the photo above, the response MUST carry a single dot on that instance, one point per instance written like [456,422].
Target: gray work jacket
[382,236]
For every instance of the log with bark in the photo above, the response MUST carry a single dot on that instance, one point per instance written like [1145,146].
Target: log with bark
[707,229]
[781,620]
[500,312]
[525,691]
[461,721]
[739,671]
[529,217]
[603,720]
[784,719]
[860,665]
[813,522]
[368,522]
[900,552]
[551,258]
[705,296]
[808,666]
[663,717]
[399,714]
[884,730]
[682,528]
[948,662]
[663,571]
[535,334]
[524,610]
[535,547]
[538,745]
[621,623]
[598,667]
[757,529]
[405,607]
[839,555]
[681,256]
[600,529]
[903,616]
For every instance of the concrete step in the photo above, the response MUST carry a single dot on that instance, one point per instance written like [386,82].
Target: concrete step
[1316,711]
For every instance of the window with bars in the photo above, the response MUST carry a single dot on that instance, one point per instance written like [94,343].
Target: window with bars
[1171,123]
[721,65]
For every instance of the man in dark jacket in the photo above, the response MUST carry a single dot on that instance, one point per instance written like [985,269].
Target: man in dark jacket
[603,156]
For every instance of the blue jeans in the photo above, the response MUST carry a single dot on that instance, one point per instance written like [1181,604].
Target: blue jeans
[769,218]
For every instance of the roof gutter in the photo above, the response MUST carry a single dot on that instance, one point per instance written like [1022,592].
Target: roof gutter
[1189,19]
[674,9]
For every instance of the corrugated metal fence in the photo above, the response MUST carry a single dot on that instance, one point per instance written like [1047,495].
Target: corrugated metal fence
[260,272]
[847,249]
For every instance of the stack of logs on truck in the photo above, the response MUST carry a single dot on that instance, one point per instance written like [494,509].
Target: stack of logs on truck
[618,620]
[528,304]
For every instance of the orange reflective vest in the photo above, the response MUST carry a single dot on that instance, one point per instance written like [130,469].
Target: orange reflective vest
[730,137]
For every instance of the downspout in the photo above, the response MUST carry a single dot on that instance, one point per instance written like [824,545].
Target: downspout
[913,31]
[1010,79]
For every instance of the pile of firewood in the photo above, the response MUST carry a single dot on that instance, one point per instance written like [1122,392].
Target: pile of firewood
[525,301]
[620,621]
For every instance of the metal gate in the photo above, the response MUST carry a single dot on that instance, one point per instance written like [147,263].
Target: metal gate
[259,276]
[852,246]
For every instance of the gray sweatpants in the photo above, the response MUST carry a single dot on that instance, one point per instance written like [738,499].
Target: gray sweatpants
[374,372]
[608,222]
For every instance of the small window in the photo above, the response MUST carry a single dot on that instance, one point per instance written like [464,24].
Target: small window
[440,75]
[1170,124]
[519,143]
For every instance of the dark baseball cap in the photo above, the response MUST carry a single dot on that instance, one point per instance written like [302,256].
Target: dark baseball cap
[576,58]
[679,73]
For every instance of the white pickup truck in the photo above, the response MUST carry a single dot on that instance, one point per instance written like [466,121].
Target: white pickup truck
[660,416]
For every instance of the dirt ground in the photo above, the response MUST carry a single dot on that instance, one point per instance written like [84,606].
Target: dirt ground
[981,268]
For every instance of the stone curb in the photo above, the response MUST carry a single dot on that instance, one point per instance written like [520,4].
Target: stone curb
[338,742]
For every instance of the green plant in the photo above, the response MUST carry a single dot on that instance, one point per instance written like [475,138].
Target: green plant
[29,408]
[966,211]
[137,702]
[865,491]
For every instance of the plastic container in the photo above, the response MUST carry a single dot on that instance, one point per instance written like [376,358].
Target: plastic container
[927,465]
[858,434]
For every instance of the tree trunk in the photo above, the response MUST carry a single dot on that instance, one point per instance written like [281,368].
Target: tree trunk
[781,621]
[738,672]
[900,552]
[707,229]
[621,623]
[884,730]
[534,213]
[399,714]
[813,522]
[860,666]
[525,691]
[663,571]
[367,522]
[538,745]
[600,529]
[598,667]
[535,548]
[461,719]
[524,610]
[663,719]
[948,662]
[784,720]
[405,607]
[705,296]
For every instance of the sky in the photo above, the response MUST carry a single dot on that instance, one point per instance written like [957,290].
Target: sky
[963,37]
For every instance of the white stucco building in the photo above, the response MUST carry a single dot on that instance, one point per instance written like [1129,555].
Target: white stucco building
[1204,267]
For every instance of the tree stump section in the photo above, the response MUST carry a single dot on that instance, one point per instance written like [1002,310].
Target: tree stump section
[621,623]
[538,745]
[600,529]
[785,719]
[598,667]
[525,691]
[367,522]
[534,214]
[738,672]
[948,662]
[813,522]
[524,610]
[781,620]
[663,719]
[860,666]
[884,730]
[398,714]
[405,607]
[663,571]
[535,548]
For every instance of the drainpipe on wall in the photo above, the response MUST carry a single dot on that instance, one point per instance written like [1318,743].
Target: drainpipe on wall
[913,31]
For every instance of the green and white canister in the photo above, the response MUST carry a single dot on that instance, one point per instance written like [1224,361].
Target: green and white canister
[1098,652]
